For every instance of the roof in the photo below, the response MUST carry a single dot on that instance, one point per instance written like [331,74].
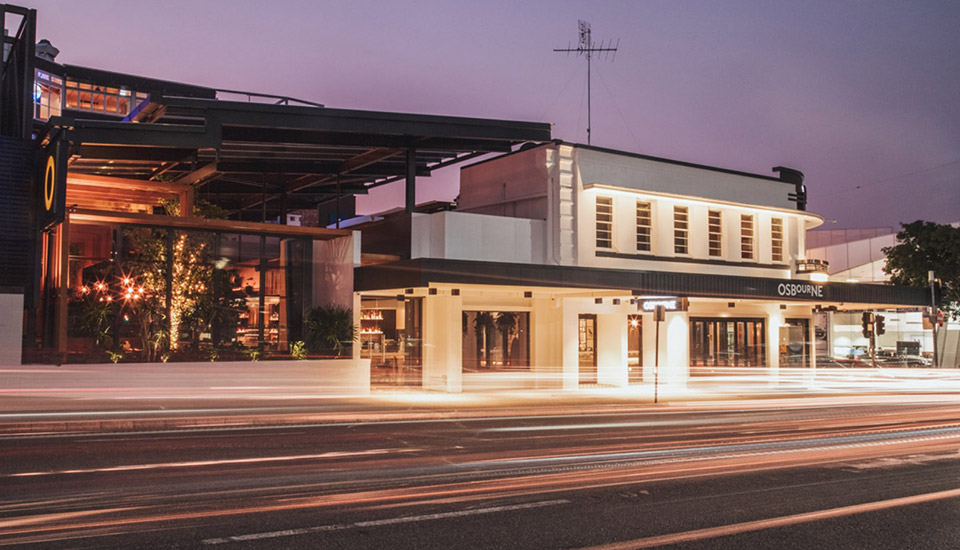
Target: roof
[639,156]
[240,155]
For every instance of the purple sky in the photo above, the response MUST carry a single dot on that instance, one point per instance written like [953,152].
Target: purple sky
[863,97]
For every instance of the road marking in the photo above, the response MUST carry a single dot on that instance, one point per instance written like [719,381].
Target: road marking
[783,521]
[381,522]
[199,463]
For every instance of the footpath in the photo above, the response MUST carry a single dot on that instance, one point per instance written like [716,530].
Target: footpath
[70,400]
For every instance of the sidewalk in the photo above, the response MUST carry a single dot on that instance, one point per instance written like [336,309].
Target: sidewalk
[50,400]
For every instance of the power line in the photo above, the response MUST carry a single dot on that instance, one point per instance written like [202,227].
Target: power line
[617,106]
[565,86]
[888,180]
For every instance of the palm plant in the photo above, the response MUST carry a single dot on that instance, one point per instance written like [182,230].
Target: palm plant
[507,327]
[483,328]
[331,327]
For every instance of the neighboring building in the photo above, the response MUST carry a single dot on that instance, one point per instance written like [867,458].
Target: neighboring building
[545,273]
[856,256]
[100,172]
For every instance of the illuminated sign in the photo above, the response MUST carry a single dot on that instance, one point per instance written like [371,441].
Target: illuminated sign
[51,185]
[669,304]
[805,290]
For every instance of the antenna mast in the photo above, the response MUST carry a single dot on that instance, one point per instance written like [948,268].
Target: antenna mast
[586,48]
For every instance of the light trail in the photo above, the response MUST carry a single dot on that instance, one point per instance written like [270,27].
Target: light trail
[784,521]
[225,462]
[480,471]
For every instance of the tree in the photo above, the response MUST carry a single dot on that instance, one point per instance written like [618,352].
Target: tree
[922,247]
[483,326]
[507,326]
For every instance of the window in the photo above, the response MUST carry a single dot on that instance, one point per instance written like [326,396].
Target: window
[47,92]
[644,222]
[715,230]
[101,99]
[680,228]
[604,222]
[746,237]
[776,239]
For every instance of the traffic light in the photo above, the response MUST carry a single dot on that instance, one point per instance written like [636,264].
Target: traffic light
[879,327]
[866,323]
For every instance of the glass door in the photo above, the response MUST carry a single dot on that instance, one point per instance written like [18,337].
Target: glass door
[634,349]
[587,348]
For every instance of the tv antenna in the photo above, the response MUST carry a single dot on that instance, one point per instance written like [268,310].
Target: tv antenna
[587,48]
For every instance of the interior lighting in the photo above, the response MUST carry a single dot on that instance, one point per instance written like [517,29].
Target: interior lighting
[819,277]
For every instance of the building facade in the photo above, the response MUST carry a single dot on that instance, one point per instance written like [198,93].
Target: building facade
[557,254]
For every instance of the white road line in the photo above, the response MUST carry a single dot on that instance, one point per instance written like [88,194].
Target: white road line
[200,463]
[380,522]
[807,517]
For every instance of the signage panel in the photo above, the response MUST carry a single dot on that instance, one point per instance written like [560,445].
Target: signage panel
[668,304]
[52,185]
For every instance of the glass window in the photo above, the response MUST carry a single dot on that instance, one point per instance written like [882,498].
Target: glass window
[47,94]
[604,222]
[776,239]
[496,341]
[644,225]
[715,230]
[681,224]
[746,237]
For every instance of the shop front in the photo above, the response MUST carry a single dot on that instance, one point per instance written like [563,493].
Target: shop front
[570,327]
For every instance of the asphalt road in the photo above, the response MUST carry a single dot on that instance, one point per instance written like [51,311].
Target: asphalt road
[795,475]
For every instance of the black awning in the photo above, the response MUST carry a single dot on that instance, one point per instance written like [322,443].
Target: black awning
[424,271]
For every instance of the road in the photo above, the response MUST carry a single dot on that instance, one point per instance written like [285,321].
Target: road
[787,475]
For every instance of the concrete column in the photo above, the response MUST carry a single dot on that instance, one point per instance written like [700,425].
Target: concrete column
[674,349]
[612,349]
[546,339]
[570,362]
[442,342]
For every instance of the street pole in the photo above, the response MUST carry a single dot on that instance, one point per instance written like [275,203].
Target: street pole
[933,315]
[658,315]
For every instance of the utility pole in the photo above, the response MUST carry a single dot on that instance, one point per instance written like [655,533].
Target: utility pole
[659,314]
[586,48]
[933,314]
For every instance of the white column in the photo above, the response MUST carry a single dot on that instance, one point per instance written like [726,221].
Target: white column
[546,341]
[442,342]
[612,348]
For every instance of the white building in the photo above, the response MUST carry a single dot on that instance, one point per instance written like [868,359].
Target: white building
[544,274]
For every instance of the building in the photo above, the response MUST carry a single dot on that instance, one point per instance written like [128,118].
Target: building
[140,216]
[549,271]
[856,256]
[151,220]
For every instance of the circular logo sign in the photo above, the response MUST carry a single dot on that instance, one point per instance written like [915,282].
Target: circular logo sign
[49,183]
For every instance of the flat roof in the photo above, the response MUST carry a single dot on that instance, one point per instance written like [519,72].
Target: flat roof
[638,156]
[239,155]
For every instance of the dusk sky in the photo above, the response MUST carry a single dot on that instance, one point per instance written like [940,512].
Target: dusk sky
[863,97]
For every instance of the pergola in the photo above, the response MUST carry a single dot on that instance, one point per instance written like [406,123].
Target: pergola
[261,160]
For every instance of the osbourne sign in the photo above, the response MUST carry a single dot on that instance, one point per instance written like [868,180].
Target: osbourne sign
[669,304]
[805,290]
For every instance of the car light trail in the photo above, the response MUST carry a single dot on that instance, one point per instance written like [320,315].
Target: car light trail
[733,529]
